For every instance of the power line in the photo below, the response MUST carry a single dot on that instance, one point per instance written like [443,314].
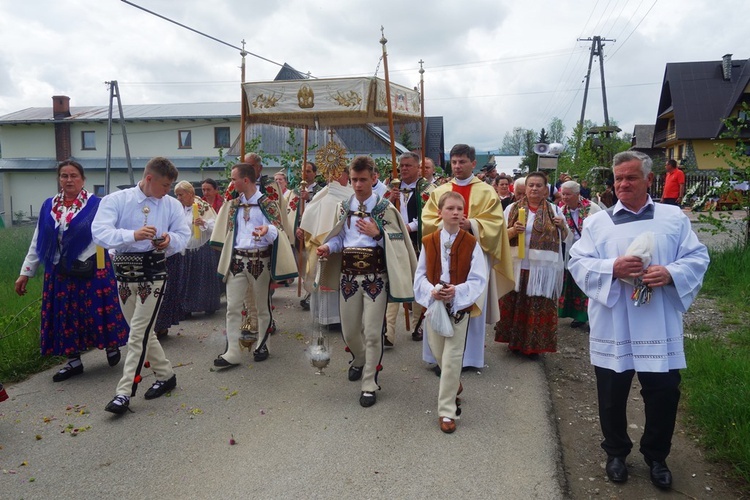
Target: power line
[631,33]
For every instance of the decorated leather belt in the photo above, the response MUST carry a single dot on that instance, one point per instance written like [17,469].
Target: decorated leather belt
[257,253]
[139,267]
[363,260]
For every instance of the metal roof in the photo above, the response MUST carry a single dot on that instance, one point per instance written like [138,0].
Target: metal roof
[700,96]
[139,112]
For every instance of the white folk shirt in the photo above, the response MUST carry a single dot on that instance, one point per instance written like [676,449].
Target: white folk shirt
[120,214]
[624,337]
[350,236]
[244,239]
[467,293]
[403,200]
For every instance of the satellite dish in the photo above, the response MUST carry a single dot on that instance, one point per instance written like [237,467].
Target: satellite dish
[541,148]
[555,149]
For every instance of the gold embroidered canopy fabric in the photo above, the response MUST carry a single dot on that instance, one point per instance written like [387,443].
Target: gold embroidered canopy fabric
[331,102]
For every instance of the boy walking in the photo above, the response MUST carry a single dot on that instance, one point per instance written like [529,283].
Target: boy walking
[143,226]
[371,257]
[254,250]
[452,270]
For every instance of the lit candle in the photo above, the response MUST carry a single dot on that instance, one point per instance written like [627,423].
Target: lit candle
[522,236]
[196,229]
[99,257]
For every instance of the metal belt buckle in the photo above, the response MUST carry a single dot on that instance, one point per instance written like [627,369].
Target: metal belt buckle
[360,264]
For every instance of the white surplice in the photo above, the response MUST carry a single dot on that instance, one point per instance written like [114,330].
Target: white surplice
[648,338]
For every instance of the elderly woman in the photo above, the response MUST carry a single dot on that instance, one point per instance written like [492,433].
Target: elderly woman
[528,315]
[201,285]
[575,208]
[80,307]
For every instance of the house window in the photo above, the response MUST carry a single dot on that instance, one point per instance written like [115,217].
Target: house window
[99,190]
[221,137]
[671,153]
[185,138]
[88,140]
[681,152]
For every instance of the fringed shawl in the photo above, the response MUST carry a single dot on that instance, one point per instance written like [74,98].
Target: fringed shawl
[544,252]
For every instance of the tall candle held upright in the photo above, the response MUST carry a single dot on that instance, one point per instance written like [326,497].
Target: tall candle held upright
[99,257]
[196,229]
[522,236]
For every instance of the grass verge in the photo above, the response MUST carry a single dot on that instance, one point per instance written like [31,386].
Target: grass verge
[19,316]
[717,382]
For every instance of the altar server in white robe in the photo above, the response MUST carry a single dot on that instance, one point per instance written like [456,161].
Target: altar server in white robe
[627,337]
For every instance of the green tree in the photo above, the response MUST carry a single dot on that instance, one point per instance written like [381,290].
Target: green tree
[556,130]
[736,154]
[513,142]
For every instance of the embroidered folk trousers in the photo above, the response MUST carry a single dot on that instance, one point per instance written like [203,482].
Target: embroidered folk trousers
[362,305]
[140,304]
[245,272]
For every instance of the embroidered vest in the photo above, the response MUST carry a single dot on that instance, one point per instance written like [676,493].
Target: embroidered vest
[461,252]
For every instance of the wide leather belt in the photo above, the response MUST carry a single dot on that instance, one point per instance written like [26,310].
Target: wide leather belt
[257,253]
[363,260]
[139,267]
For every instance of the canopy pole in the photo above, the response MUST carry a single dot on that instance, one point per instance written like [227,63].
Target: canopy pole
[243,101]
[301,243]
[383,41]
[421,107]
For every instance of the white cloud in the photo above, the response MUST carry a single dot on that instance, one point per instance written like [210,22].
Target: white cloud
[490,65]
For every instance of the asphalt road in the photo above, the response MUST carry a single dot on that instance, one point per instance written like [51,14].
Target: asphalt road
[297,434]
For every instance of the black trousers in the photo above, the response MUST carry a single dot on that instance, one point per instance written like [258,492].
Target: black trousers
[670,201]
[661,394]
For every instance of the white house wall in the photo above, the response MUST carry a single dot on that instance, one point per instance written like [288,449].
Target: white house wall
[153,138]
[28,141]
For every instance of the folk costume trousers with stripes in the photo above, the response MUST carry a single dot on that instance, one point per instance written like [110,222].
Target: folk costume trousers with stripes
[140,303]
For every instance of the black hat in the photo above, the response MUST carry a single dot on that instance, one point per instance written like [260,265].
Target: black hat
[489,167]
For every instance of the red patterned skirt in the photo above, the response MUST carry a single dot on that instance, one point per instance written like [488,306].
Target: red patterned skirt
[527,324]
[573,302]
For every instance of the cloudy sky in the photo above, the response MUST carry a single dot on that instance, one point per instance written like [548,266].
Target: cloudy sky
[489,65]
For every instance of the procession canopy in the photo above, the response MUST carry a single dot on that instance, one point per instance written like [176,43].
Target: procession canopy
[329,102]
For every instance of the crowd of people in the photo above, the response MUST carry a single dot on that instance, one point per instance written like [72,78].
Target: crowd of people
[455,254]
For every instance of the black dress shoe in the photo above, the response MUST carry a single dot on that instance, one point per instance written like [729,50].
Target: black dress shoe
[355,373]
[113,357]
[387,343]
[576,323]
[119,405]
[367,399]
[334,327]
[161,387]
[661,476]
[417,335]
[220,362]
[617,471]
[260,354]
[66,372]
[437,370]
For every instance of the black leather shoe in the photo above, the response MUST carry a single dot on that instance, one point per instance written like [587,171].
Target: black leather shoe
[113,357]
[661,476]
[367,399]
[119,405]
[220,362]
[436,369]
[260,354]
[161,387]
[576,323]
[355,373]
[305,303]
[417,335]
[617,471]
[66,372]
[387,343]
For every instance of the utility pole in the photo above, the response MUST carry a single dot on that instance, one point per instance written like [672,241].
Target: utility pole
[597,49]
[114,91]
